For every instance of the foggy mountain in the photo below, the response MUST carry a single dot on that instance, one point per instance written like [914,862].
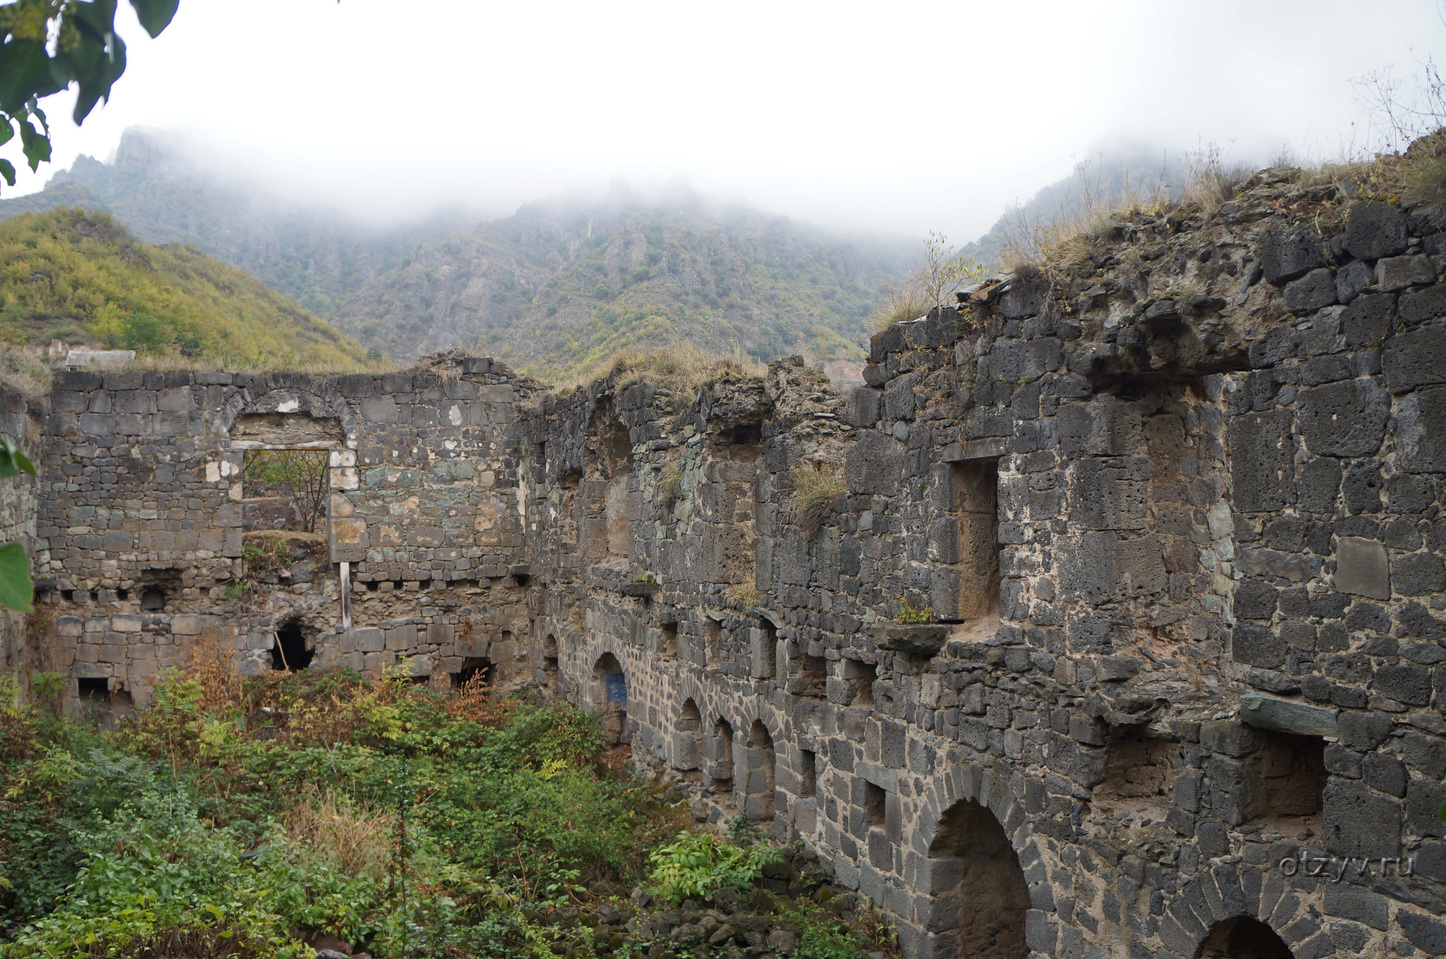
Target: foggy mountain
[316,257]
[562,284]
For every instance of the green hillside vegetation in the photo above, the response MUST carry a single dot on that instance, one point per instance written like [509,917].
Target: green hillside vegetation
[258,819]
[558,288]
[78,275]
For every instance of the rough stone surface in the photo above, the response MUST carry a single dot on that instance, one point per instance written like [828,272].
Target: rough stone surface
[1084,524]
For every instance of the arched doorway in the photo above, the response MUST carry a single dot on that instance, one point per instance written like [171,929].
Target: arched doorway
[989,893]
[720,769]
[610,698]
[549,665]
[758,783]
[688,747]
[1243,938]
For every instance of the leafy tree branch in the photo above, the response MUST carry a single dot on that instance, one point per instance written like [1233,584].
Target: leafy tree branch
[47,45]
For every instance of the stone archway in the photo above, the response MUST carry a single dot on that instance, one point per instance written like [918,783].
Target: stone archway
[610,698]
[688,746]
[759,774]
[985,895]
[1243,938]
[720,763]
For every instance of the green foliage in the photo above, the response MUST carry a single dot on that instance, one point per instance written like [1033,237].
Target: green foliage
[693,866]
[16,589]
[911,615]
[70,266]
[302,475]
[229,817]
[50,44]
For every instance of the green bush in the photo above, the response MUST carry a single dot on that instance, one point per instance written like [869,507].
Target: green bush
[694,865]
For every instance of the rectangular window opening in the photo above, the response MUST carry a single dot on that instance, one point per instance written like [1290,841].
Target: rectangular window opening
[972,591]
[875,800]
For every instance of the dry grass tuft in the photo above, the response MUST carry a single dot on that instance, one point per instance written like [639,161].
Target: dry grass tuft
[901,304]
[816,487]
[26,374]
[214,667]
[679,368]
[355,839]
[1210,182]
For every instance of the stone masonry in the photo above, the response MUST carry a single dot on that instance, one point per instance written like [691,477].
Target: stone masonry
[1124,635]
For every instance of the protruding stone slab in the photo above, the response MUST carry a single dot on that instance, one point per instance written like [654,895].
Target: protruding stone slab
[923,640]
[1287,716]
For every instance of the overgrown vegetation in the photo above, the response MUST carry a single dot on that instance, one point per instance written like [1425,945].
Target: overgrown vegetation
[300,475]
[78,276]
[680,368]
[816,487]
[247,818]
[944,271]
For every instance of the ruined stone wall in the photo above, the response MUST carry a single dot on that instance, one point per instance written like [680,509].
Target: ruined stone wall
[141,545]
[1198,640]
[1119,594]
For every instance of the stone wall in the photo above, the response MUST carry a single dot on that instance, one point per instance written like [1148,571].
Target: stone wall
[140,530]
[1119,613]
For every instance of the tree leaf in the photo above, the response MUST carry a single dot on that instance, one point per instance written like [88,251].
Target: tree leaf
[35,143]
[155,15]
[25,72]
[12,461]
[16,590]
[7,170]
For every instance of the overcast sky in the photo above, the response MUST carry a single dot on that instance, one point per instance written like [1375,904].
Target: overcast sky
[904,116]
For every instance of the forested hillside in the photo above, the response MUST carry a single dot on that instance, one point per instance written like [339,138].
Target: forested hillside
[317,257]
[78,275]
[558,287]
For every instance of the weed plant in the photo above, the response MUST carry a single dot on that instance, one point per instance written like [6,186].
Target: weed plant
[236,817]
[816,487]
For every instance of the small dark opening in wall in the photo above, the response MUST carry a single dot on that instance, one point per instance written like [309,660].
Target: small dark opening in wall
[474,670]
[864,676]
[670,647]
[93,689]
[808,775]
[1288,777]
[812,676]
[95,596]
[68,595]
[521,579]
[769,651]
[398,584]
[874,800]
[153,599]
[713,639]
[122,594]
[289,651]
[748,434]
[549,663]
[372,586]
